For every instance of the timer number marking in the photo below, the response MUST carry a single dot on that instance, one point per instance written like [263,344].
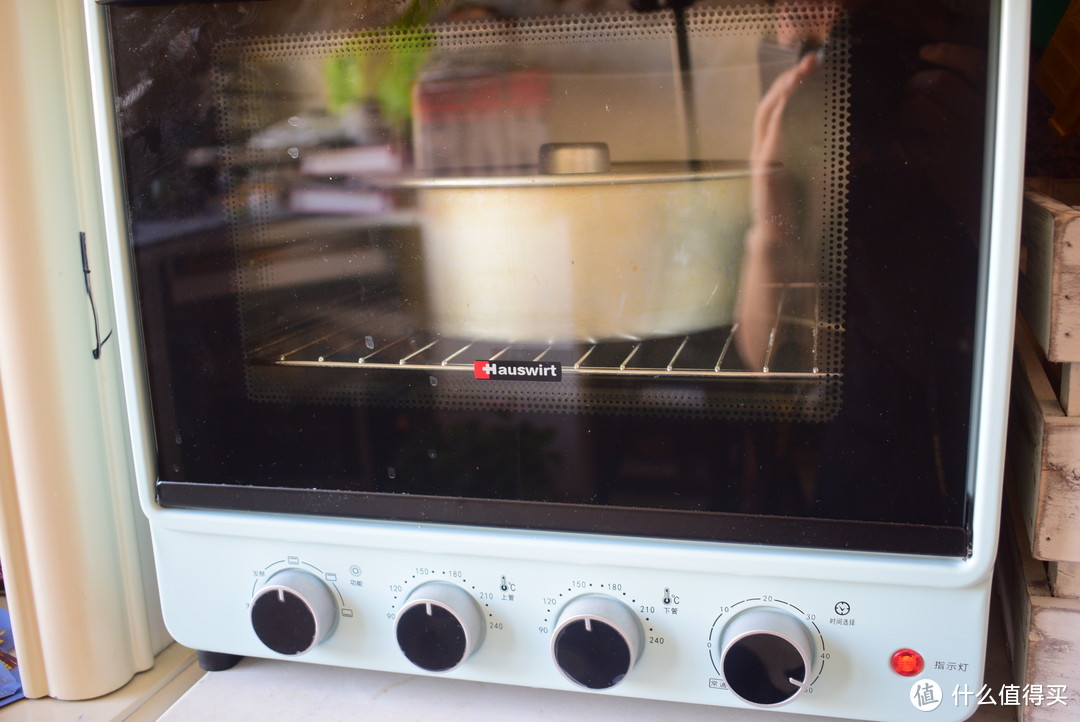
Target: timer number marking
[768,600]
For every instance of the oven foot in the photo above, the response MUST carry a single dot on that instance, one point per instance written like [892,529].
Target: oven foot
[217,661]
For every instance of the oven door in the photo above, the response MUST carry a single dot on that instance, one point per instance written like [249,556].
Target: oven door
[708,272]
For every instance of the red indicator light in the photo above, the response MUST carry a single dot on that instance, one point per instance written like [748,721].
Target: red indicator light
[907,662]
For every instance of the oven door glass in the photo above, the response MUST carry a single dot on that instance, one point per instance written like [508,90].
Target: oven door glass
[704,272]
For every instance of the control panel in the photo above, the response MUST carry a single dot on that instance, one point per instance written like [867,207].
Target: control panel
[750,641]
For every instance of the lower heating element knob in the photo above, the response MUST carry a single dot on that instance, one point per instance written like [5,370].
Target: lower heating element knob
[597,641]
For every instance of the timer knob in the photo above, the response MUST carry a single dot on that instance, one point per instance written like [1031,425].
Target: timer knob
[597,641]
[293,612]
[765,656]
[439,626]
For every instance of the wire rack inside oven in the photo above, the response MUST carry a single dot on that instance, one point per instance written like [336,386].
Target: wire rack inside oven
[801,346]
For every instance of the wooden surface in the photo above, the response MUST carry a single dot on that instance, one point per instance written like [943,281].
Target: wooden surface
[1049,285]
[1064,579]
[1044,457]
[1069,389]
[1043,631]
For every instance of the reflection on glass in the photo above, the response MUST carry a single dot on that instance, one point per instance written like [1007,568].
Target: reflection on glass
[421,143]
[713,219]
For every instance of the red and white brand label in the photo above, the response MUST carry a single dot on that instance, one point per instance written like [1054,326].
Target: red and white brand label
[517,370]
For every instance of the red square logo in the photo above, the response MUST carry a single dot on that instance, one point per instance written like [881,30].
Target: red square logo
[480,370]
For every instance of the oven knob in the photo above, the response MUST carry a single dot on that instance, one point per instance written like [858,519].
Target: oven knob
[597,641]
[765,656]
[293,612]
[439,626]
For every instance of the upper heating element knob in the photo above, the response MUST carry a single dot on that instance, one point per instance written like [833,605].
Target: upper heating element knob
[439,626]
[765,656]
[597,641]
[293,612]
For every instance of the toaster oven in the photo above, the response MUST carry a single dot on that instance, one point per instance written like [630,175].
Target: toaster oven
[655,349]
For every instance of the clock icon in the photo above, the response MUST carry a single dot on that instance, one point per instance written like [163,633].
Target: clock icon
[842,608]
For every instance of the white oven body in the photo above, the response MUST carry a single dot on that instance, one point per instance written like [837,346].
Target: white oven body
[857,609]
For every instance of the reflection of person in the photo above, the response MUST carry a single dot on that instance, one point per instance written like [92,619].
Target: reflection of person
[913,163]
[939,100]
[771,234]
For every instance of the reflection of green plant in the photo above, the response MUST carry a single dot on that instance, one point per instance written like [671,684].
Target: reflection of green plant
[387,76]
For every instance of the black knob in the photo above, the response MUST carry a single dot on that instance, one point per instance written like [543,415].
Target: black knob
[765,657]
[439,627]
[597,641]
[293,612]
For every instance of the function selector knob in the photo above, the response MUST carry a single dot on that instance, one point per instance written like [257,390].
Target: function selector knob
[293,612]
[765,656]
[597,641]
[439,626]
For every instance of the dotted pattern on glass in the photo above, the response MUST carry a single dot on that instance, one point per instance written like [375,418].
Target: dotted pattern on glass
[708,381]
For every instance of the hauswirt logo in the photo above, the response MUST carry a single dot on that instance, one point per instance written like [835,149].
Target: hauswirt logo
[517,370]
